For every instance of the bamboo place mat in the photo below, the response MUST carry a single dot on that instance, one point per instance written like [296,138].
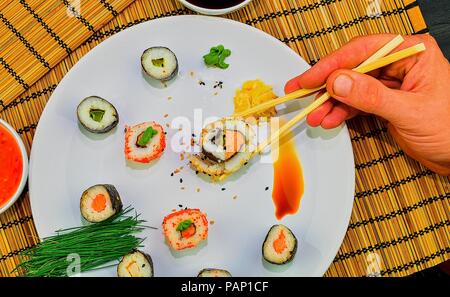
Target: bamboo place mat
[401,210]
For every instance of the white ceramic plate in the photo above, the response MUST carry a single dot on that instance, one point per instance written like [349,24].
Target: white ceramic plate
[65,159]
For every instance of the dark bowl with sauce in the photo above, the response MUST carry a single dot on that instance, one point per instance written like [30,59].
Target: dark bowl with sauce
[13,166]
[214,7]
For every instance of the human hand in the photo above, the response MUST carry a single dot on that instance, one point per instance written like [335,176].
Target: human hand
[411,94]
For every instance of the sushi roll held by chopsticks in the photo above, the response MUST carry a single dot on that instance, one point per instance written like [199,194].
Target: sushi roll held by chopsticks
[226,147]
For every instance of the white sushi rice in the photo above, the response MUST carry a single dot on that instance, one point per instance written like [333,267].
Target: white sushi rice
[109,118]
[164,72]
[135,264]
[288,253]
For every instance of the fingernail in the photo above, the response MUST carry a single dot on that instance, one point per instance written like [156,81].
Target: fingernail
[342,85]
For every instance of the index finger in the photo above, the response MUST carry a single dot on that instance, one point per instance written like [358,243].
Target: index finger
[348,56]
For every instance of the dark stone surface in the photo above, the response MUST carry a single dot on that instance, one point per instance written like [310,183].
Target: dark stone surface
[437,16]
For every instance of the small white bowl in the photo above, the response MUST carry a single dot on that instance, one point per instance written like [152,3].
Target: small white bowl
[24,154]
[209,11]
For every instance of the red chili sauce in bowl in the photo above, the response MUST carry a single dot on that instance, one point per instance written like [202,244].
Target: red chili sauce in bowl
[11,165]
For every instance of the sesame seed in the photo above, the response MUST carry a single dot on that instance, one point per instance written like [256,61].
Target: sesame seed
[166,115]
[235,197]
[180,205]
[223,189]
[171,174]
[181,180]
[267,188]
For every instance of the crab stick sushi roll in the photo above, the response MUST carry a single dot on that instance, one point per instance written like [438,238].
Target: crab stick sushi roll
[135,264]
[185,228]
[97,115]
[159,63]
[212,272]
[280,245]
[144,142]
[99,203]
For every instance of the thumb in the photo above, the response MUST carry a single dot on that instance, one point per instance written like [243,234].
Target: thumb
[367,94]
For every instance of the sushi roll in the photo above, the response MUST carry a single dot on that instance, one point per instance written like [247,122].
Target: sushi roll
[185,228]
[159,63]
[226,147]
[97,115]
[99,203]
[144,142]
[212,272]
[135,264]
[280,245]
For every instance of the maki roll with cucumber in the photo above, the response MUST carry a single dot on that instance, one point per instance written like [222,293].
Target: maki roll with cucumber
[144,142]
[136,264]
[97,115]
[212,272]
[185,228]
[99,203]
[280,245]
[159,63]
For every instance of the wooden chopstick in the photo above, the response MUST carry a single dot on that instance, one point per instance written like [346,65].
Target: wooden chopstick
[382,52]
[364,68]
[386,49]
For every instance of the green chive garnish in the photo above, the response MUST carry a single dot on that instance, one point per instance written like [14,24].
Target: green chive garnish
[184,225]
[158,62]
[147,136]
[97,114]
[216,57]
[95,245]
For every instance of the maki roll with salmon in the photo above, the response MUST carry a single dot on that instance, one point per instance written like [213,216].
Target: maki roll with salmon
[97,115]
[136,264]
[280,245]
[144,142]
[212,272]
[159,63]
[226,147]
[185,228]
[99,203]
